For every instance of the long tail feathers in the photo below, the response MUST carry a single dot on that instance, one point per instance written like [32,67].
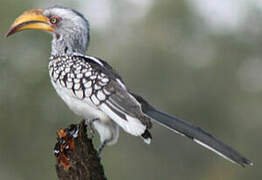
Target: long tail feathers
[195,133]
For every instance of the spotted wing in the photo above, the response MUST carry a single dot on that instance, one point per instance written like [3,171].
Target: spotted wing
[113,98]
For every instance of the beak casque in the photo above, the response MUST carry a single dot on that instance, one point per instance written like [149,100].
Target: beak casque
[31,19]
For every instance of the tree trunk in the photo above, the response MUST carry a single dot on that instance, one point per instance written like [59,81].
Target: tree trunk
[77,159]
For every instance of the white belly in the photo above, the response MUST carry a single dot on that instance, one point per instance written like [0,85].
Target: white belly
[82,107]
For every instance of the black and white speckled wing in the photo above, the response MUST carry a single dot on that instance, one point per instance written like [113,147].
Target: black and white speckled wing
[124,108]
[94,82]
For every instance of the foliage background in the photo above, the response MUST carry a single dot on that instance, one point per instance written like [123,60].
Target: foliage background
[197,59]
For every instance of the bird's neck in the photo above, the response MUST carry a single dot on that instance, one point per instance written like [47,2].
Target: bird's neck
[64,45]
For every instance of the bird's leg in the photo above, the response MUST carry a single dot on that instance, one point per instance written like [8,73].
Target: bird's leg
[89,124]
[101,146]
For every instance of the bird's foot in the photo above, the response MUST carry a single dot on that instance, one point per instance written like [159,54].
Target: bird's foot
[89,124]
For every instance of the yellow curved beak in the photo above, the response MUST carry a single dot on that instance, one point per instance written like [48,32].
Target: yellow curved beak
[31,19]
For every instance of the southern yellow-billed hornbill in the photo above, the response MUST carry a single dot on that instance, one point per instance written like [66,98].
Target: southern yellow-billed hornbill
[93,90]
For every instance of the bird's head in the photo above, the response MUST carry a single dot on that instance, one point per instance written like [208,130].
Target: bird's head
[69,28]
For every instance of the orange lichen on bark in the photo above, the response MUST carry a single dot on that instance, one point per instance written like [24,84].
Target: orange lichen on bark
[64,145]
[63,160]
[61,133]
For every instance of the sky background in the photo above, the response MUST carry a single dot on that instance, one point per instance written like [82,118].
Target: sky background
[197,59]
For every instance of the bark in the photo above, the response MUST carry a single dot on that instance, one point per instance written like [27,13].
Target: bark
[77,159]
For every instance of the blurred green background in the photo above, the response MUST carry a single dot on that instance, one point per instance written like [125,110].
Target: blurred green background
[197,59]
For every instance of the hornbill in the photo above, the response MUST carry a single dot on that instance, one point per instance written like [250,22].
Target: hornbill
[92,89]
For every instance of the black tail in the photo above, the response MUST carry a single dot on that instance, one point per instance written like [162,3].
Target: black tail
[193,132]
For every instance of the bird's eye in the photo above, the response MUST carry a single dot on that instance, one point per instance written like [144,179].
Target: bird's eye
[53,20]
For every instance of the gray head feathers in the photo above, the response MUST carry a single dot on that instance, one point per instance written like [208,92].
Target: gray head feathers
[71,32]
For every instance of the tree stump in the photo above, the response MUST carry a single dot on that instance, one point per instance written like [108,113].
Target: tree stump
[77,159]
